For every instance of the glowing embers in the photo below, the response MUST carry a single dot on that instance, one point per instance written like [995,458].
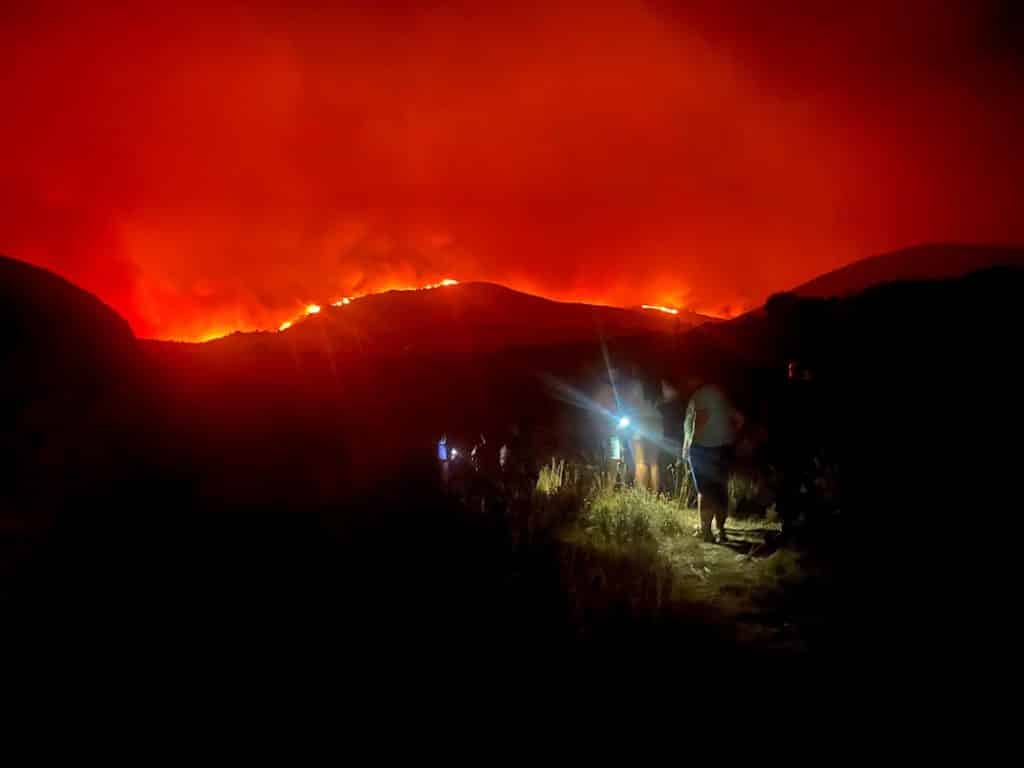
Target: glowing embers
[314,309]
[431,286]
[656,308]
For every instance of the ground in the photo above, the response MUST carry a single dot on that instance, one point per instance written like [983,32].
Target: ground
[643,555]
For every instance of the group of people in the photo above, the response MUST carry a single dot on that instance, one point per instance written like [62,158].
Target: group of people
[506,463]
[645,423]
[641,427]
[637,432]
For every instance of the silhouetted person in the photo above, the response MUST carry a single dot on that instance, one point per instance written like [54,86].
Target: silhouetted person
[614,432]
[646,430]
[444,461]
[515,461]
[709,436]
[797,447]
[673,412]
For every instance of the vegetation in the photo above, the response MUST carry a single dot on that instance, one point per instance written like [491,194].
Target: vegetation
[626,553]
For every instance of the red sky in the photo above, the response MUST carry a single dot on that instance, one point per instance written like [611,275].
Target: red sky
[216,167]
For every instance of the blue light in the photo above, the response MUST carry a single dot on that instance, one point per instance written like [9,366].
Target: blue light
[623,422]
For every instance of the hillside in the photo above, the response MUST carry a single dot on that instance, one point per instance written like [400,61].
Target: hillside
[465,318]
[924,262]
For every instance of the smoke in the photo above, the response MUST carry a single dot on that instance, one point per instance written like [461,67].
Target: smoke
[205,169]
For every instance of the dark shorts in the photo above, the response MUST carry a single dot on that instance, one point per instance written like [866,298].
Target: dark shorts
[710,469]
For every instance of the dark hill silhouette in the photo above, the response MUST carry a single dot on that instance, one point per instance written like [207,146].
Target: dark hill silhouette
[273,480]
[68,389]
[75,434]
[49,326]
[924,262]
[377,373]
[465,318]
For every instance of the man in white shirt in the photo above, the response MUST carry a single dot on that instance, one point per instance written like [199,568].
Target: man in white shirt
[709,436]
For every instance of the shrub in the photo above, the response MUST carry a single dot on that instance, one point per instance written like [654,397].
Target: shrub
[630,516]
[552,477]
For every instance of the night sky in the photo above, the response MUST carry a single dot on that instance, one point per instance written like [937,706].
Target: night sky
[216,168]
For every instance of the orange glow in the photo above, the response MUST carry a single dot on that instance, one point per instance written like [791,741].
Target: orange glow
[211,335]
[313,309]
[703,154]
[429,287]
[442,284]
[666,310]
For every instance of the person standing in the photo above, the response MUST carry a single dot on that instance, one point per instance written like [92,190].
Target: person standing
[798,438]
[646,432]
[709,437]
[443,461]
[612,430]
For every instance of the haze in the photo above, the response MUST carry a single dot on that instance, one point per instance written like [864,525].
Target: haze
[212,168]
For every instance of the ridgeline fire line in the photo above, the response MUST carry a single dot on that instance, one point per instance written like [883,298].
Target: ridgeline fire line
[666,310]
[314,309]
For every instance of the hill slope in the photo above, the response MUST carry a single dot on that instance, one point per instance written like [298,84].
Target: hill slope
[924,262]
[68,396]
[469,317]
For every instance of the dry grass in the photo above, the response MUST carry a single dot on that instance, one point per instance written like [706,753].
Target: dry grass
[641,544]
[735,582]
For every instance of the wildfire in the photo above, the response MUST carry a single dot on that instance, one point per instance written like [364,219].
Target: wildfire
[666,310]
[313,309]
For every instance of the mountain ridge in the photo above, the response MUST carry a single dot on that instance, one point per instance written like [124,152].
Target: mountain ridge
[926,261]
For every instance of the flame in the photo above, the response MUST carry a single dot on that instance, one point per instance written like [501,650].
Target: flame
[431,286]
[312,309]
[666,310]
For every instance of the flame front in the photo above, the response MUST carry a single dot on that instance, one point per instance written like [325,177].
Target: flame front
[666,310]
[313,309]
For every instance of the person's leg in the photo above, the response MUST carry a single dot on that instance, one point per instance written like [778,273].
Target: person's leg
[612,472]
[723,468]
[651,457]
[721,511]
[705,507]
[641,471]
[706,510]
[641,476]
